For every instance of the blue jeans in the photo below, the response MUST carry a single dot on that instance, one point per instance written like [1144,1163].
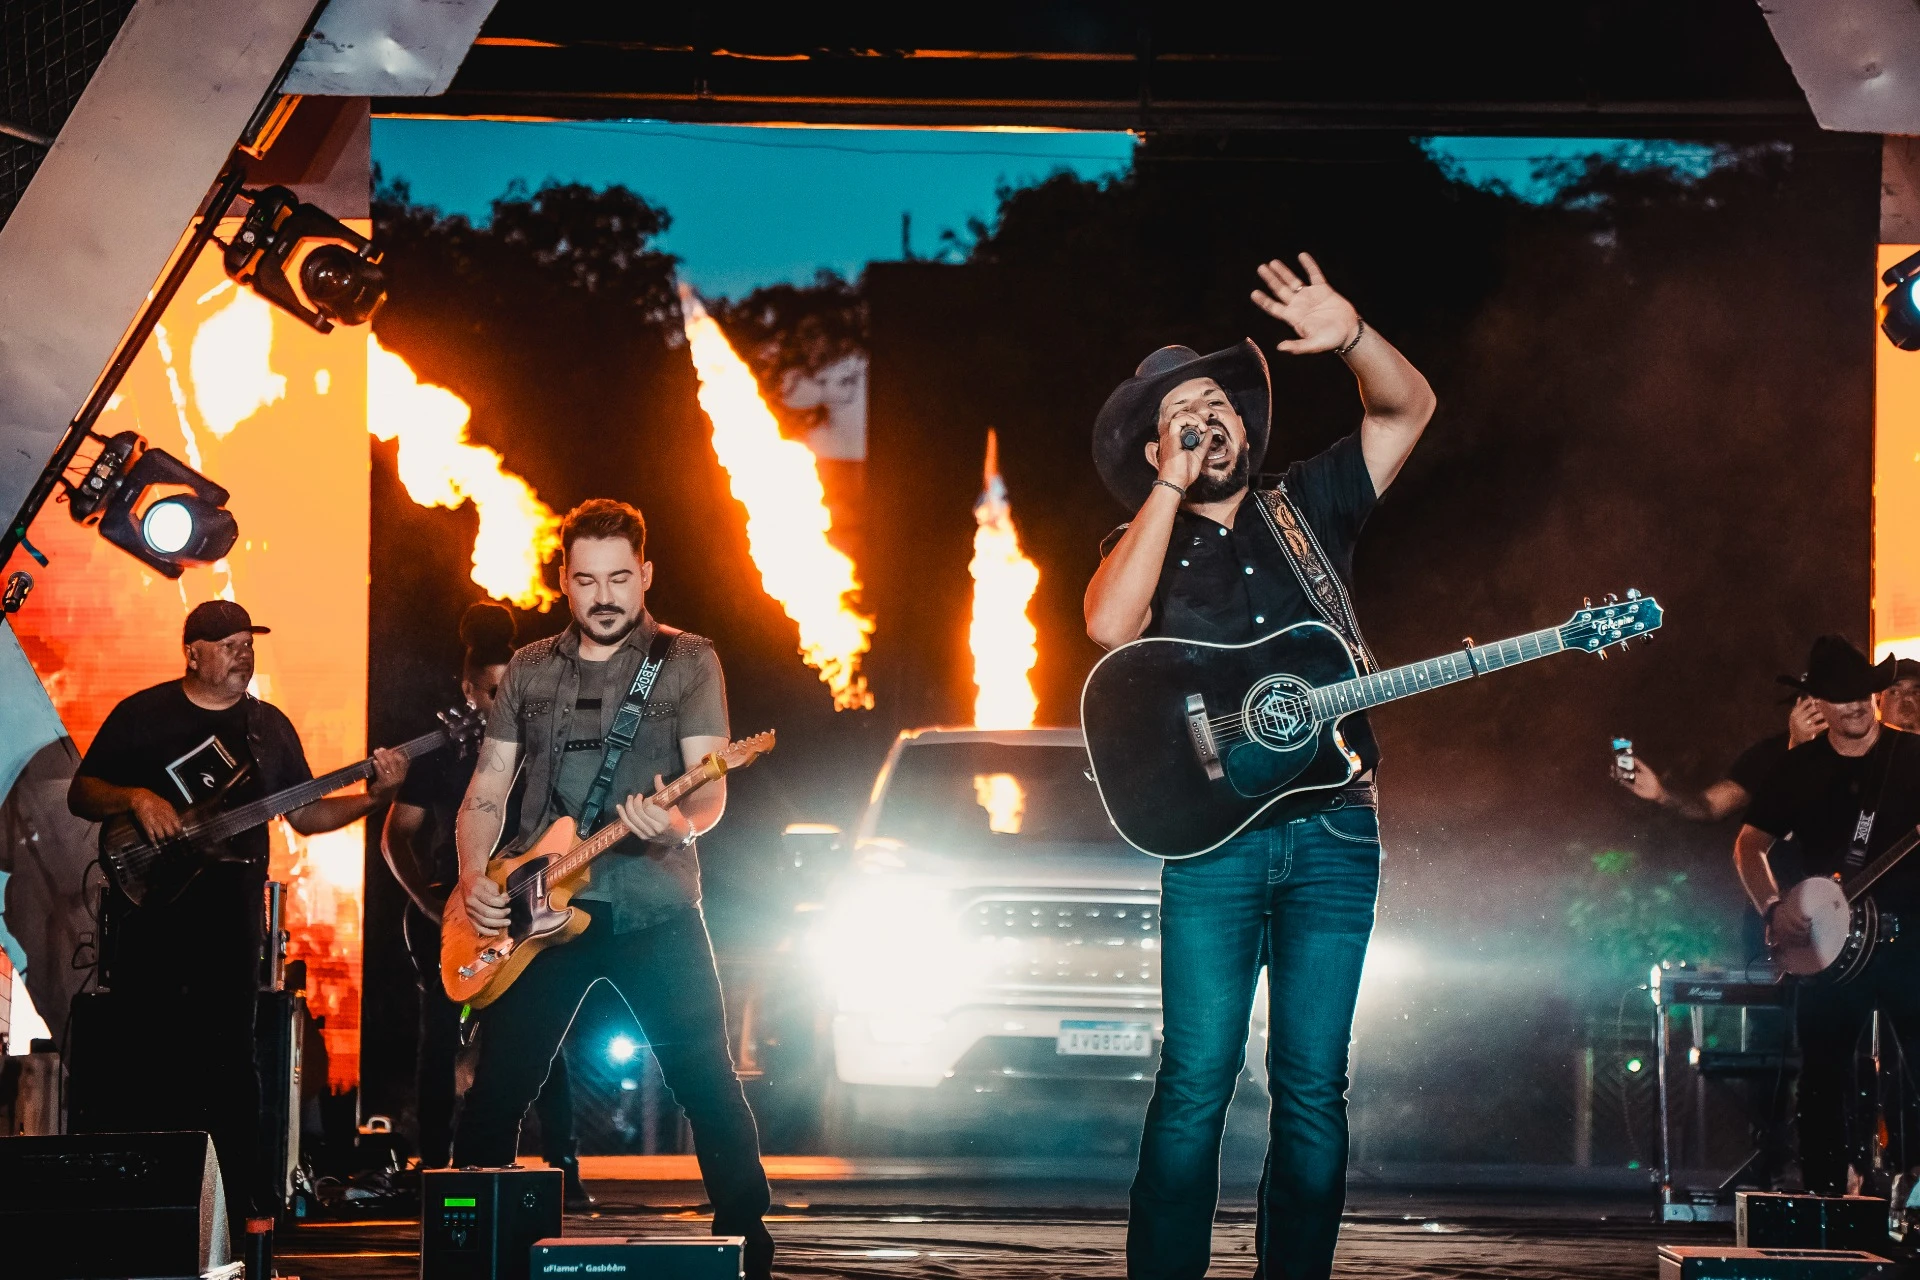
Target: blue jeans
[1297,898]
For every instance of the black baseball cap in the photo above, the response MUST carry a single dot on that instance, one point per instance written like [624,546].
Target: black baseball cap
[216,620]
[1907,669]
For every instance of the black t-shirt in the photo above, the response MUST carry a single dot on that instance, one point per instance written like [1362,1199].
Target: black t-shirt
[1229,586]
[1751,768]
[437,782]
[161,740]
[1818,795]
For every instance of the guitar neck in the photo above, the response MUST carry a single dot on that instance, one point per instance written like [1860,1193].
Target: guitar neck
[232,822]
[575,860]
[1366,691]
[1858,884]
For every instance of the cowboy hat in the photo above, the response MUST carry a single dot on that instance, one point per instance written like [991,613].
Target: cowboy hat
[1131,415]
[1838,672]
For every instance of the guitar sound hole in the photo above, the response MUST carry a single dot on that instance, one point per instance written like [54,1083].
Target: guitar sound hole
[1277,712]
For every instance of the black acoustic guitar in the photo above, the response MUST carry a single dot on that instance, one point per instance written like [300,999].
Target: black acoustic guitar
[147,871]
[1191,741]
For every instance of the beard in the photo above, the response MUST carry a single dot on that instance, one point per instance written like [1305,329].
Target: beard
[1215,488]
[611,626]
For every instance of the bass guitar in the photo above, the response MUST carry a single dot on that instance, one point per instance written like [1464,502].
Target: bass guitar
[1191,741]
[1845,922]
[144,870]
[476,968]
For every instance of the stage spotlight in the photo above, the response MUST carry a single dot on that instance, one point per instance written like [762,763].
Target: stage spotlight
[1900,309]
[338,269]
[153,506]
[622,1049]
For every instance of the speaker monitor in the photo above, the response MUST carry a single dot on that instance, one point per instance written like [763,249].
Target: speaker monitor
[1777,1220]
[593,1257]
[112,1205]
[481,1224]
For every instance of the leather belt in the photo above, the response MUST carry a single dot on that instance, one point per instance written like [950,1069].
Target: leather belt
[1355,795]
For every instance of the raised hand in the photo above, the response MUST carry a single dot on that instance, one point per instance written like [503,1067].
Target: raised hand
[1323,319]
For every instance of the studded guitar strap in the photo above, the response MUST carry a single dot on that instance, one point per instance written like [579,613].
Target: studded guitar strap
[1314,570]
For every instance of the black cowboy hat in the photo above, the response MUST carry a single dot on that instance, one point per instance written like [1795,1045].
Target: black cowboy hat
[1838,672]
[1131,415]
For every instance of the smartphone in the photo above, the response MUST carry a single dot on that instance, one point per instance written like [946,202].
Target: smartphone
[1623,757]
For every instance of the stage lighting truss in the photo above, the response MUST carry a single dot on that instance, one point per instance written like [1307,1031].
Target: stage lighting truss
[1900,309]
[152,506]
[306,261]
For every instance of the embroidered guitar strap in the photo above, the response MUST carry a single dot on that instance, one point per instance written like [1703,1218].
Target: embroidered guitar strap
[626,723]
[1311,566]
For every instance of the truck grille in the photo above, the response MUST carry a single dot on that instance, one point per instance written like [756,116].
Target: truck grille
[1064,944]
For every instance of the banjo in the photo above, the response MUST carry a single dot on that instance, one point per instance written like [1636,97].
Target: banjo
[1845,923]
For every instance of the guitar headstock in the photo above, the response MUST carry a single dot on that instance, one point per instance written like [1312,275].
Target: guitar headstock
[465,726]
[742,752]
[1596,628]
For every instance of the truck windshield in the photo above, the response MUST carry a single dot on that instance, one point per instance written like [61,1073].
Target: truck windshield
[983,796]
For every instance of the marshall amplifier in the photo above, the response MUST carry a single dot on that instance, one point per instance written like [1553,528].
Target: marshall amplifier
[642,1258]
[481,1224]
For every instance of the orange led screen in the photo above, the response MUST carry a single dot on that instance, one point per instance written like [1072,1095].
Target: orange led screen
[277,414]
[1896,486]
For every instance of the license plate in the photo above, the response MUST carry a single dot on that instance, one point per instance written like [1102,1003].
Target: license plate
[1105,1039]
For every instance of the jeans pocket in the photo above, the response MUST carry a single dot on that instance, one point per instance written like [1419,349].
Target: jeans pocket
[1356,824]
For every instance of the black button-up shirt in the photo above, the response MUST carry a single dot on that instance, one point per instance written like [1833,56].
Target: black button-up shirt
[1230,586]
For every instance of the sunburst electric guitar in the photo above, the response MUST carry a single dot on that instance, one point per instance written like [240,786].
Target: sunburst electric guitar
[477,968]
[1190,741]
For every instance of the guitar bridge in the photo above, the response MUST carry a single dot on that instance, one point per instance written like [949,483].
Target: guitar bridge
[1200,733]
[491,955]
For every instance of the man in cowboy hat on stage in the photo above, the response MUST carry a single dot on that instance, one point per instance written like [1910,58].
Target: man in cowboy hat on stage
[1845,797]
[1178,444]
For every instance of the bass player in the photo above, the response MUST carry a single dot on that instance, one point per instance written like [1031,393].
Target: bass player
[1845,798]
[561,699]
[1178,444]
[187,971]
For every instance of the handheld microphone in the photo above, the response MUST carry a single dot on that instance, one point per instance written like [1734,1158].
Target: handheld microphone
[1189,439]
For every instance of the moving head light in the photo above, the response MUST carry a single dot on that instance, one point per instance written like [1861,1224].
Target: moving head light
[338,270]
[153,506]
[1900,309]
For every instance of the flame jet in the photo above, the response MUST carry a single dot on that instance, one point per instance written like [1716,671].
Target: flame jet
[1001,636]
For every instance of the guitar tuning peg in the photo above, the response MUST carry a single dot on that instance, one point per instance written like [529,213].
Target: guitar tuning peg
[1586,602]
[1603,655]
[1633,593]
[1612,598]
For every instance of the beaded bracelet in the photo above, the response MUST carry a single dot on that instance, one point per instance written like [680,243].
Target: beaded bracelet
[1358,333]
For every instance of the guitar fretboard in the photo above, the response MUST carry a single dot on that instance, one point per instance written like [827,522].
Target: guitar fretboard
[1366,691]
[232,822]
[1862,880]
[571,862]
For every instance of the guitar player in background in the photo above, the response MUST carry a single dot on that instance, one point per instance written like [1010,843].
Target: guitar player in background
[1178,445]
[417,843]
[187,971]
[1845,798]
[561,698]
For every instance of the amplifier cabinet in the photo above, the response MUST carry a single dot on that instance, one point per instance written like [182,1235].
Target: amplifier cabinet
[1778,1220]
[481,1224]
[640,1258]
[1679,1262]
[95,1206]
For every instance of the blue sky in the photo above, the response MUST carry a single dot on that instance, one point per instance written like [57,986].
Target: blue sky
[754,206]
[750,206]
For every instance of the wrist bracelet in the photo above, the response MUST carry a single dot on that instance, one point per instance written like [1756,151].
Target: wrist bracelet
[1358,333]
[1170,484]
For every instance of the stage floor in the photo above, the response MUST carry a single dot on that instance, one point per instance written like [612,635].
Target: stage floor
[995,1220]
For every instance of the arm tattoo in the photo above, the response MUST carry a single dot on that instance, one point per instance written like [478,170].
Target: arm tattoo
[480,806]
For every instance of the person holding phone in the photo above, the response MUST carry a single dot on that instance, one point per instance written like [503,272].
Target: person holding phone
[1734,792]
